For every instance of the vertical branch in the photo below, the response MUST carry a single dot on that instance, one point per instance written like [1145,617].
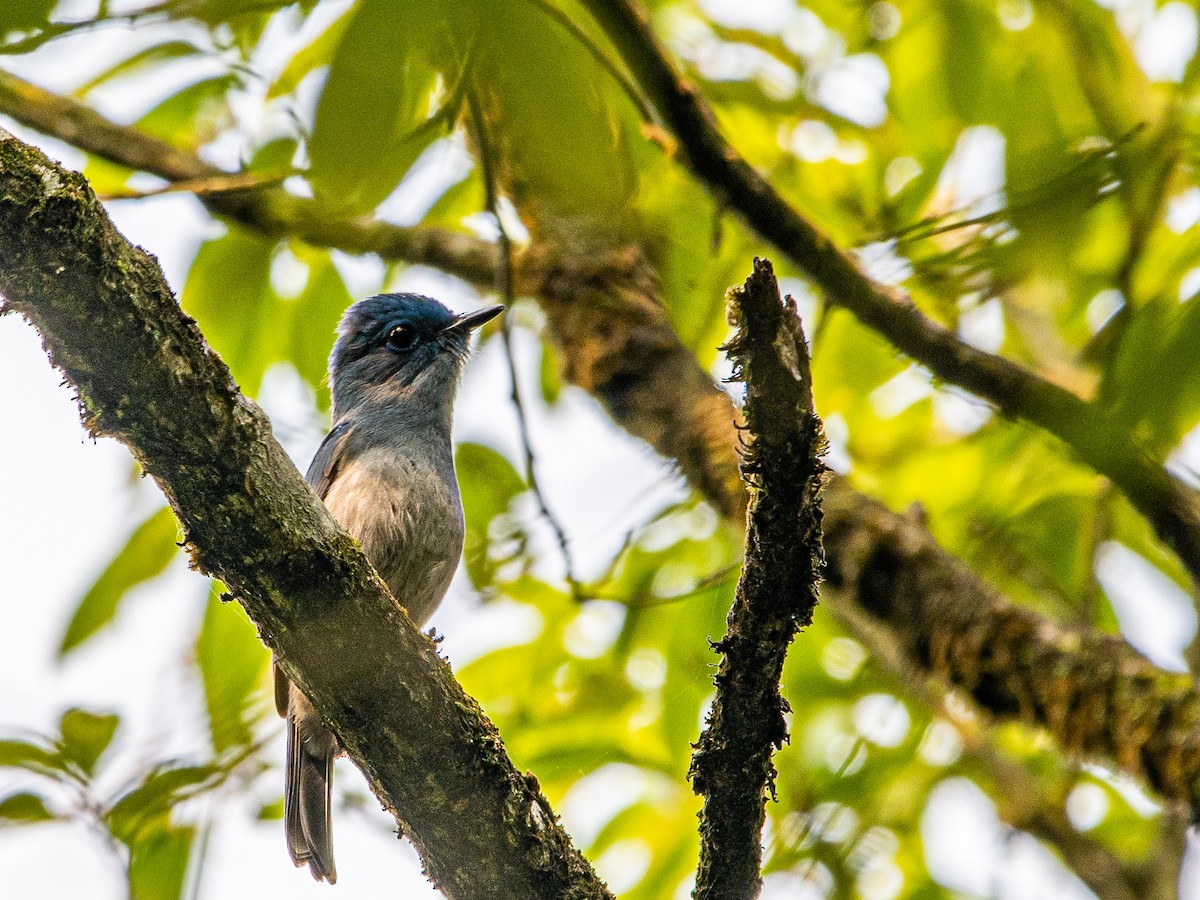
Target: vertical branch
[504,285]
[776,594]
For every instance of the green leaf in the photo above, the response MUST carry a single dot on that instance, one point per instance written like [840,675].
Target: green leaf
[315,54]
[146,553]
[228,291]
[31,757]
[193,116]
[563,145]
[158,864]
[315,315]
[146,809]
[24,15]
[140,61]
[25,808]
[231,660]
[489,484]
[368,128]
[85,736]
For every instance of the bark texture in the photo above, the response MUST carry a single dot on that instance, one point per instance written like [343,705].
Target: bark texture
[1097,696]
[145,376]
[776,594]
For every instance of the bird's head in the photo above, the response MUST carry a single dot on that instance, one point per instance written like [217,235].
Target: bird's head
[390,345]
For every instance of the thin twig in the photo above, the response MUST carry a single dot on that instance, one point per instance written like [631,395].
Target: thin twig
[504,277]
[204,187]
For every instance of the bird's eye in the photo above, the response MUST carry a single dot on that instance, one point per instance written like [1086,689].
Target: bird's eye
[402,337]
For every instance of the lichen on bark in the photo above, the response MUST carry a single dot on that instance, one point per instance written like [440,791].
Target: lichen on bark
[777,591]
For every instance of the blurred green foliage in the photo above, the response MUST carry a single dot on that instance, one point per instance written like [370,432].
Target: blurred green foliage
[1012,162]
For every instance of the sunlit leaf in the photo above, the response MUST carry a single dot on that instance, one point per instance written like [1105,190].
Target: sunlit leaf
[24,808]
[145,810]
[158,864]
[191,117]
[489,484]
[232,661]
[146,553]
[33,757]
[378,96]
[85,736]
[228,291]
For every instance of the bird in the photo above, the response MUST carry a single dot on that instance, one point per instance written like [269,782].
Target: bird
[385,472]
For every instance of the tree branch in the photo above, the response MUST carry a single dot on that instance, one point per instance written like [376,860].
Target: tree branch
[1172,507]
[776,594]
[144,375]
[1092,692]
[270,210]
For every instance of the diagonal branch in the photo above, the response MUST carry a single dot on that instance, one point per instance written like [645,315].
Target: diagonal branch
[270,210]
[776,594]
[145,376]
[1172,507]
[1092,692]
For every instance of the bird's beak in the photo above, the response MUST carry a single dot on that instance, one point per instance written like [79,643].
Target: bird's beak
[472,320]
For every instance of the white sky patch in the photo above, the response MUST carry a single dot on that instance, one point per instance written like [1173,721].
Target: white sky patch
[807,36]
[837,433]
[968,849]
[767,16]
[812,882]
[883,263]
[1087,805]
[1154,613]
[973,178]
[1184,461]
[812,140]
[1167,42]
[443,163]
[901,391]
[958,413]
[1189,284]
[982,326]
[1183,210]
[855,88]
[882,719]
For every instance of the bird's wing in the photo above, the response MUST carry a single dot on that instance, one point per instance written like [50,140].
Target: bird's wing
[323,467]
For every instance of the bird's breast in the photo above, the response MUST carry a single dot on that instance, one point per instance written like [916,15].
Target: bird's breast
[408,517]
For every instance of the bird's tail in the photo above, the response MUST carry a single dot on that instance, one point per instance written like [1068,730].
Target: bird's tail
[310,753]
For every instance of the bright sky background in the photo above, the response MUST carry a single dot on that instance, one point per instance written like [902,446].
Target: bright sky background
[66,505]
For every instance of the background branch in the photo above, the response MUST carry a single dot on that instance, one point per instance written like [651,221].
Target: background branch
[144,375]
[270,210]
[1172,507]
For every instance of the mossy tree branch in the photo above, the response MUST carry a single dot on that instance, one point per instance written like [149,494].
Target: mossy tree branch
[144,375]
[776,594]
[1092,692]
